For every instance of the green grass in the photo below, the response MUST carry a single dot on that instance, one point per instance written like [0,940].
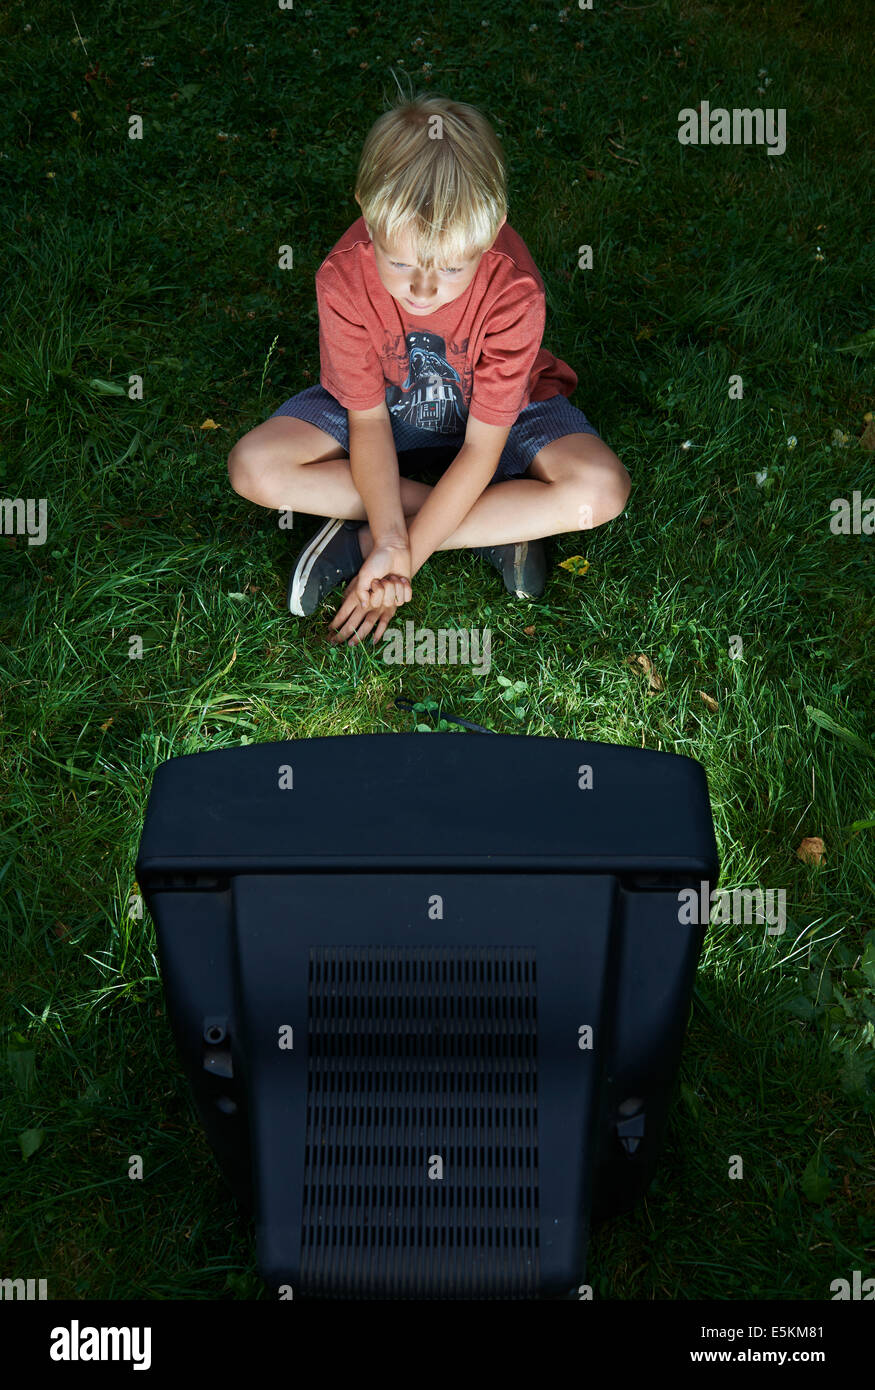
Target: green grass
[159,258]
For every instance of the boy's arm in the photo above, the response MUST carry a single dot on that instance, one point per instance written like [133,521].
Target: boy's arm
[373,464]
[455,493]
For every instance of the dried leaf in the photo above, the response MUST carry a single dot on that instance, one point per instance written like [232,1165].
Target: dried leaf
[576,564]
[643,661]
[209,425]
[811,849]
[709,701]
[654,681]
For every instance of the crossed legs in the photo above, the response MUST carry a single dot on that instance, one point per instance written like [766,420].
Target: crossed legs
[573,484]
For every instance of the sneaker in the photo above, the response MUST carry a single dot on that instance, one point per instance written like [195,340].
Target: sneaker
[521,564]
[329,558]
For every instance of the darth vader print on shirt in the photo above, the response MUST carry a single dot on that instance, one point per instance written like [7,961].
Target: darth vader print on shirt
[431,397]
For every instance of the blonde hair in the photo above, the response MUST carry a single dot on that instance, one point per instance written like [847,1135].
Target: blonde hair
[441,179]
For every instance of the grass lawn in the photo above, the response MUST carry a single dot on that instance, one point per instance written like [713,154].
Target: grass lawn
[157,258]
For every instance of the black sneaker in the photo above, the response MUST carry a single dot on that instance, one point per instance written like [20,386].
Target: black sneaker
[329,558]
[521,564]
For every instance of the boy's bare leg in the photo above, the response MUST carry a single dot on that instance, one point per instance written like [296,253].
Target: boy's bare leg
[271,467]
[518,509]
[529,508]
[334,493]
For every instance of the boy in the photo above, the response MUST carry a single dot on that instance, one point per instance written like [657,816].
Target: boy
[431,315]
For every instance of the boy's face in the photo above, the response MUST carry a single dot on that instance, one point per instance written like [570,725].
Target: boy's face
[419,291]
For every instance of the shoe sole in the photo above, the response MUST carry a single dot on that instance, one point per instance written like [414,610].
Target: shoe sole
[306,560]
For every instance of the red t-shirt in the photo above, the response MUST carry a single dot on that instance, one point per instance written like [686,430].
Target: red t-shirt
[483,351]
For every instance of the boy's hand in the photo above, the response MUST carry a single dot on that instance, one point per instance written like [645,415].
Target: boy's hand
[384,577]
[354,621]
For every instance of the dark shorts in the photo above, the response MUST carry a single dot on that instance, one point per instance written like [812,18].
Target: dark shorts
[539,424]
